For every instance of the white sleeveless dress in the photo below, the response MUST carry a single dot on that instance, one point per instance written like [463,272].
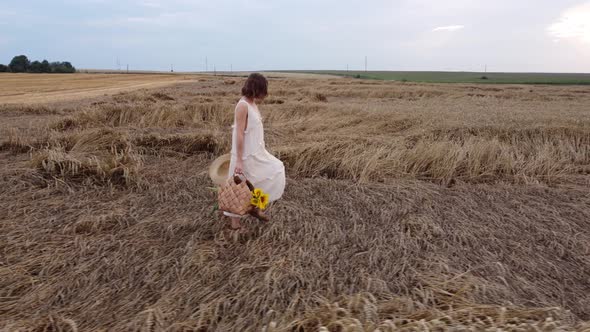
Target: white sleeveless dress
[263,169]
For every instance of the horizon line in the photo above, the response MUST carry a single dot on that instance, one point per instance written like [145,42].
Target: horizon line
[325,70]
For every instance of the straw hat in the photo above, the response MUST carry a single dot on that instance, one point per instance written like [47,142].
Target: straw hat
[219,169]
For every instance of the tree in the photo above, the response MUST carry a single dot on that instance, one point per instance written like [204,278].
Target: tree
[56,67]
[45,68]
[19,64]
[35,67]
[62,67]
[3,68]
[69,67]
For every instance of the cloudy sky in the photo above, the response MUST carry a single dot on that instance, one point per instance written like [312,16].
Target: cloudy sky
[507,35]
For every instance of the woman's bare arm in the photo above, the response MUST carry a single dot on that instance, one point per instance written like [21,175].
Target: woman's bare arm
[241,120]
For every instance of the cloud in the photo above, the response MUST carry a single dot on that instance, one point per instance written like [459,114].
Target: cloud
[5,16]
[449,28]
[573,24]
[6,13]
[151,4]
[160,20]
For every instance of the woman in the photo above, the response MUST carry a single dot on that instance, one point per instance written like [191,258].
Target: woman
[248,153]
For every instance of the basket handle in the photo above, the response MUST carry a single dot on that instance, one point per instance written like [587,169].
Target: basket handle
[239,180]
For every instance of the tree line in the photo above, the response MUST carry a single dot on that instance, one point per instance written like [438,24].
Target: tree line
[21,64]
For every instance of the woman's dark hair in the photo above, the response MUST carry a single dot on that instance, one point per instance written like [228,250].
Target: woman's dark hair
[256,86]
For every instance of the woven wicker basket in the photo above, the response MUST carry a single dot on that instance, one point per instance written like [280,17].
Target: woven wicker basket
[234,196]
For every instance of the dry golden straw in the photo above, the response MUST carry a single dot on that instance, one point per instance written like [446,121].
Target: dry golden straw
[409,207]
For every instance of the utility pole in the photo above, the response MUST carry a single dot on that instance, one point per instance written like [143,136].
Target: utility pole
[171,68]
[231,68]
[214,71]
[206,65]
[365,63]
[127,68]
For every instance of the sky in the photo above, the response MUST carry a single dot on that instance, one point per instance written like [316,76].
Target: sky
[248,35]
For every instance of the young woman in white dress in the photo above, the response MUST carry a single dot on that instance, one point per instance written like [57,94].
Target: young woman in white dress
[248,153]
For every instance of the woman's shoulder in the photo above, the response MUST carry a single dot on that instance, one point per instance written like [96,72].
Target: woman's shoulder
[242,103]
[242,106]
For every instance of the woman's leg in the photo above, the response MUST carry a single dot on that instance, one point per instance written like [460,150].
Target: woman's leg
[235,223]
[235,220]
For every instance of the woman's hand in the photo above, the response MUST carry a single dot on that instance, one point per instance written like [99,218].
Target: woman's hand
[239,167]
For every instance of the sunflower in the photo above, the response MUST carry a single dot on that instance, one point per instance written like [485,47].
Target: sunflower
[259,199]
[263,200]
[255,201]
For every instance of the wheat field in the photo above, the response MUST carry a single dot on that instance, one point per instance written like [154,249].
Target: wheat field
[408,207]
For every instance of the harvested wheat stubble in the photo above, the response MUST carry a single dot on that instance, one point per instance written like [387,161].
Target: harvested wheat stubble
[118,167]
[150,115]
[183,143]
[46,88]
[162,249]
[505,247]
[102,156]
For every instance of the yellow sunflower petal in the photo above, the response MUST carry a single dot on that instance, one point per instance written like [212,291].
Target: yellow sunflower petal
[257,193]
[264,201]
[254,201]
